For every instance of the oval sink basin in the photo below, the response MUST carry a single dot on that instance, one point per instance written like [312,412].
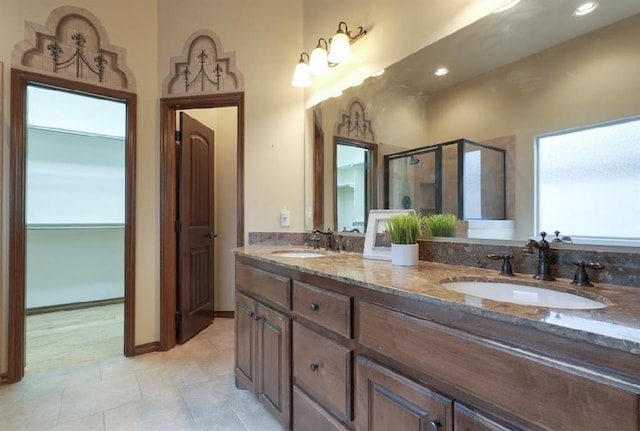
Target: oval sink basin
[300,254]
[525,295]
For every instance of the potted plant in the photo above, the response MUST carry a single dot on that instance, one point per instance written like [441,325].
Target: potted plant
[404,230]
[442,224]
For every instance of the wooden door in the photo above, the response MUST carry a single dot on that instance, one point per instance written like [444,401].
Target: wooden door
[389,401]
[195,228]
[274,353]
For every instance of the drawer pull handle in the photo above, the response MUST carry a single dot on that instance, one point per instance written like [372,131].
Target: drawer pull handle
[314,306]
[433,426]
[314,367]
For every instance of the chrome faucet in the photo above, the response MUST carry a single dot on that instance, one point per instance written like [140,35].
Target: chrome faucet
[543,271]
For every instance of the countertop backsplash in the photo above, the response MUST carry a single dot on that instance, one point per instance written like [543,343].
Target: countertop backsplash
[621,265]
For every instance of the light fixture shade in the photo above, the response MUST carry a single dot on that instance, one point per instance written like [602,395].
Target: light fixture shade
[340,50]
[301,75]
[318,62]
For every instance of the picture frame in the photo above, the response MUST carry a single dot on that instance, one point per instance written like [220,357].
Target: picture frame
[377,224]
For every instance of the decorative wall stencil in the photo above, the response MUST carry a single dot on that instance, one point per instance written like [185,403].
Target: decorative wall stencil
[203,68]
[73,44]
[355,123]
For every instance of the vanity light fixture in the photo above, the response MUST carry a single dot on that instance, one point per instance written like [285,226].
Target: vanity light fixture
[318,62]
[507,6]
[378,73]
[325,55]
[585,8]
[441,71]
[302,74]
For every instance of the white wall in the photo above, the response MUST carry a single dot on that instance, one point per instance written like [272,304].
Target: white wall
[66,266]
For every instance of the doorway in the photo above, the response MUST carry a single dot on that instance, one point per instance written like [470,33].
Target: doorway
[74,215]
[233,187]
[24,210]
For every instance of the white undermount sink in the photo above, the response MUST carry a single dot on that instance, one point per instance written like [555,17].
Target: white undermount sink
[522,294]
[299,254]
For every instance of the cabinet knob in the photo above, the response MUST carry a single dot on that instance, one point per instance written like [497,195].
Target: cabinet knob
[433,426]
[314,367]
[314,306]
[251,314]
[256,317]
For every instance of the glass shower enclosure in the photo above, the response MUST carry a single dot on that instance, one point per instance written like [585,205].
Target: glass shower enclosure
[460,177]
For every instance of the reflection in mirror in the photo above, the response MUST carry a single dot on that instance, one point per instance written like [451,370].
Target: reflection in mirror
[460,177]
[533,71]
[354,177]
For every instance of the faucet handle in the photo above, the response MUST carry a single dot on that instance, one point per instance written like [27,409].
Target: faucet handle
[581,278]
[506,268]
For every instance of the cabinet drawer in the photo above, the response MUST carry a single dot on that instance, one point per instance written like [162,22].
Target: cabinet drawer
[329,309]
[466,419]
[519,382]
[272,287]
[309,416]
[324,369]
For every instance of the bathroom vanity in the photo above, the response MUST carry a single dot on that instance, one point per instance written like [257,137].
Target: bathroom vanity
[343,343]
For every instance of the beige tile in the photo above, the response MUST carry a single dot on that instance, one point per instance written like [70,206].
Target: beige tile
[169,377]
[94,422]
[209,398]
[161,412]
[255,417]
[36,413]
[85,399]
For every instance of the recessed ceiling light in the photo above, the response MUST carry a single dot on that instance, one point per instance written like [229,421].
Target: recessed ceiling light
[585,8]
[441,71]
[507,6]
[378,73]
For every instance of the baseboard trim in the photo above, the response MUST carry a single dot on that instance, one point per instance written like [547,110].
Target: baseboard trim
[142,349]
[224,314]
[4,378]
[74,306]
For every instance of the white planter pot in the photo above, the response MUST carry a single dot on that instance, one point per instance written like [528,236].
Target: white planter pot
[404,254]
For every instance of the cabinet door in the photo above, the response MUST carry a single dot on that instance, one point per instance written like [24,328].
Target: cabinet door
[274,351]
[245,340]
[466,419]
[388,401]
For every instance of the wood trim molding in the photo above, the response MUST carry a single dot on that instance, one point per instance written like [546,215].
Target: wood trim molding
[168,197]
[143,349]
[225,314]
[17,161]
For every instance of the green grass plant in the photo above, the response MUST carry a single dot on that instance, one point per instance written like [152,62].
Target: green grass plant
[406,228]
[442,224]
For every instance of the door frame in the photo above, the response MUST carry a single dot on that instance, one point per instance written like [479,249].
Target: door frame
[20,79]
[169,202]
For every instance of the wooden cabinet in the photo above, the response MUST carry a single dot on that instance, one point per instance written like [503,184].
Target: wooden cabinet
[263,355]
[467,419]
[387,400]
[263,337]
[326,355]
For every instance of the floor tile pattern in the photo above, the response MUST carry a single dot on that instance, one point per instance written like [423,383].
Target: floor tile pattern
[190,387]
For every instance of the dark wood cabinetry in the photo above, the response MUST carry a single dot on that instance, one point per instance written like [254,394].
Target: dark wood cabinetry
[467,419]
[387,400]
[327,355]
[263,339]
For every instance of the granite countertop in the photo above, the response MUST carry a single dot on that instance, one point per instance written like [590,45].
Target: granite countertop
[617,326]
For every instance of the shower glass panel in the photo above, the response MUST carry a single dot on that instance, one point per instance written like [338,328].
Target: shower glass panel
[412,183]
[460,177]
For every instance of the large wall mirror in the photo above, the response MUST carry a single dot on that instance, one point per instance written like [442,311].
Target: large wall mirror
[550,88]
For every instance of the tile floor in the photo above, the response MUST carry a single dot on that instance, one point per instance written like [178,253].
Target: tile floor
[190,387]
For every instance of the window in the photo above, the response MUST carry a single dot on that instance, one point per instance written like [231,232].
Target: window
[588,182]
